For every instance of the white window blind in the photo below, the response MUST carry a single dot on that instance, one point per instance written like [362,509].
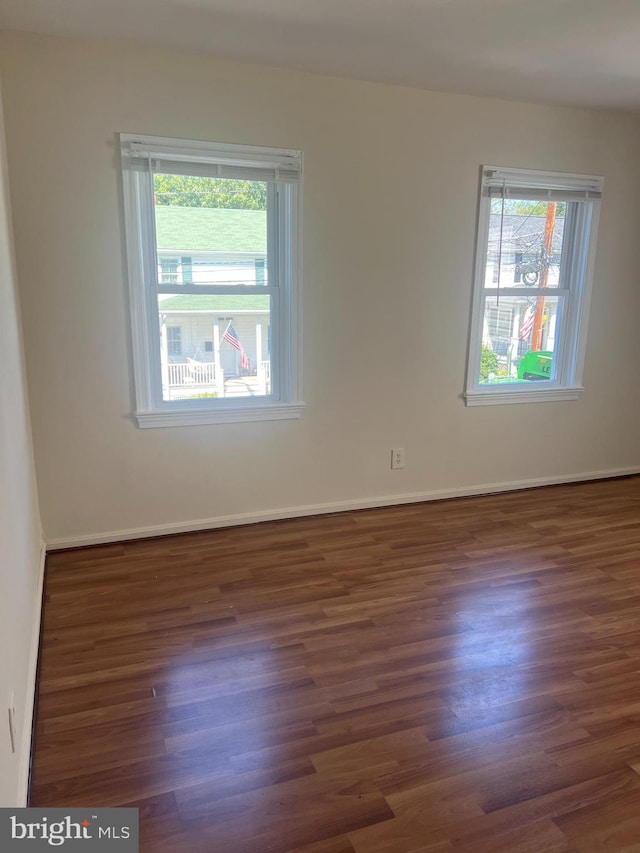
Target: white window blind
[543,186]
[213,161]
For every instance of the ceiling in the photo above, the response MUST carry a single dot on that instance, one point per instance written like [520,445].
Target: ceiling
[582,52]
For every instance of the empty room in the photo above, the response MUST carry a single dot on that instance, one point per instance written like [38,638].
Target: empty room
[319,426]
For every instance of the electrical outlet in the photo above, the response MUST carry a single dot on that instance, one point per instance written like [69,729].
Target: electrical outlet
[397,457]
[12,721]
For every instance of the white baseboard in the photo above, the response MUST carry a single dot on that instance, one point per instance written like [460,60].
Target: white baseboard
[28,721]
[325,508]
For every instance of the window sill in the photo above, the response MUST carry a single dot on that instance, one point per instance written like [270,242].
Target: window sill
[237,414]
[530,395]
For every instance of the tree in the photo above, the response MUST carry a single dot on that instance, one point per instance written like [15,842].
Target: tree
[188,191]
[488,363]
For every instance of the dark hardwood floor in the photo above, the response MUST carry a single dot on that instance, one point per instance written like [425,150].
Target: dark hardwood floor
[462,675]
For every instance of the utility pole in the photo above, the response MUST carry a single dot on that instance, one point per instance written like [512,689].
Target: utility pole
[536,336]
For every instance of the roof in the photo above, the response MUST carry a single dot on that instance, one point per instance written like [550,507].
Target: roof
[211,229]
[222,303]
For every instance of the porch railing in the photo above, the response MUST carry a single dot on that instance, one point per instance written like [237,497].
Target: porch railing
[199,373]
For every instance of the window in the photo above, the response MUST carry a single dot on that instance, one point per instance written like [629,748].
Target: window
[174,340]
[534,265]
[517,272]
[168,270]
[212,244]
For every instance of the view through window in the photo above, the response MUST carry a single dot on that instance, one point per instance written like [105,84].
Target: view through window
[211,233]
[525,248]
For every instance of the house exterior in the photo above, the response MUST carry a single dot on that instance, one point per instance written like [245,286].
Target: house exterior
[212,246]
[193,326]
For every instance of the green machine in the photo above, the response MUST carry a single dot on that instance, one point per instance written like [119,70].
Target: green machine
[535,365]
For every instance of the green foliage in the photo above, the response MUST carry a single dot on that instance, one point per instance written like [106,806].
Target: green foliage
[520,207]
[187,191]
[488,363]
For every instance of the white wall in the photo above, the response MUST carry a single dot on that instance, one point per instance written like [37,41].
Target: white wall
[20,535]
[390,203]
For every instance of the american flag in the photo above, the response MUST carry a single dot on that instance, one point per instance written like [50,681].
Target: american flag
[231,336]
[527,323]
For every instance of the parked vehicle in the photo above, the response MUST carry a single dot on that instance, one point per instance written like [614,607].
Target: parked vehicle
[535,366]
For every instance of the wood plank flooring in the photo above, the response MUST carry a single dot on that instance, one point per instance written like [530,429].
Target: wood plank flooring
[462,675]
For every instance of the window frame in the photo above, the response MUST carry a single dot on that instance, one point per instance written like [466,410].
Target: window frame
[573,290]
[284,220]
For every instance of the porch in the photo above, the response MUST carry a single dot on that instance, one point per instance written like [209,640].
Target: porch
[198,380]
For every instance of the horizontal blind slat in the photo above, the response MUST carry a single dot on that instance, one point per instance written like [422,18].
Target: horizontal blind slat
[537,194]
[532,185]
[220,170]
[212,160]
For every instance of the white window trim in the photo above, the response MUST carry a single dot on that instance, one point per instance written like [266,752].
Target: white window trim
[285,166]
[573,334]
